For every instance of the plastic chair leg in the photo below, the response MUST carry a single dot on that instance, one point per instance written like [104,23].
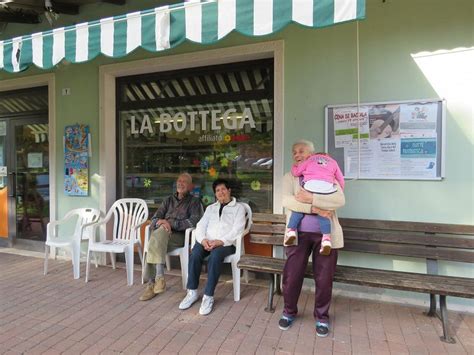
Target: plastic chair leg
[168,262]
[183,258]
[76,261]
[246,276]
[236,281]
[140,255]
[143,267]
[88,262]
[46,257]
[112,260]
[129,265]
[96,259]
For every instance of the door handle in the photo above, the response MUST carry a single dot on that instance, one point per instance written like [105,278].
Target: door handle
[12,184]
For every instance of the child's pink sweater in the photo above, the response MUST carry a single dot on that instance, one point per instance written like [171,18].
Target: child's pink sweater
[319,167]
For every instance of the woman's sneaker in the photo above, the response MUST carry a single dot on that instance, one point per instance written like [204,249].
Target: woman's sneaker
[322,329]
[290,237]
[191,297]
[325,245]
[285,322]
[206,305]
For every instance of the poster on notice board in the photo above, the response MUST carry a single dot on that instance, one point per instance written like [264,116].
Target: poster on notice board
[76,160]
[390,140]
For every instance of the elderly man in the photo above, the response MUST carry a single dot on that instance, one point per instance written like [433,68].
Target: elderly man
[177,213]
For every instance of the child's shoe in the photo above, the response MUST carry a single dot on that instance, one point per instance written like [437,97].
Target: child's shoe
[290,237]
[325,245]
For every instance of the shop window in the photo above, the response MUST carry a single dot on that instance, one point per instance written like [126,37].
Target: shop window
[211,122]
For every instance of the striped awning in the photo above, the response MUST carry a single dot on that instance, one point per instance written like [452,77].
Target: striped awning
[166,27]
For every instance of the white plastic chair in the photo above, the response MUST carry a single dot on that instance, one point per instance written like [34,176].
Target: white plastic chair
[183,254]
[71,241]
[239,251]
[128,214]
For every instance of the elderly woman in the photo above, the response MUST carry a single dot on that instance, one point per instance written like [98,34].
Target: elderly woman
[309,243]
[216,233]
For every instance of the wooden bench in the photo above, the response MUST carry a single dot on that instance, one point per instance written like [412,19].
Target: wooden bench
[429,242]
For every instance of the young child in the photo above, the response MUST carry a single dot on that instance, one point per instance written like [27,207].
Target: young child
[319,172]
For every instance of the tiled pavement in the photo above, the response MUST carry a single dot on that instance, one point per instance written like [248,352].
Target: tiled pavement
[56,314]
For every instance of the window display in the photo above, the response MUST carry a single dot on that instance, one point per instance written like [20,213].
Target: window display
[211,122]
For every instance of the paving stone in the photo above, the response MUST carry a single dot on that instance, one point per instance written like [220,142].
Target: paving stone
[55,314]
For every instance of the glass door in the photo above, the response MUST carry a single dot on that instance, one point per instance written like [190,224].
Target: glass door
[28,178]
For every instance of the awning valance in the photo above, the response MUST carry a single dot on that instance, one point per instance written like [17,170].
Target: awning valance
[166,27]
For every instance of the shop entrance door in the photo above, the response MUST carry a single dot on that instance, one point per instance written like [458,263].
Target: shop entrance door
[25,152]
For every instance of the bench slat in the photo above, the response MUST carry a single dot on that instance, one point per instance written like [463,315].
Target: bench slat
[441,285]
[407,226]
[412,251]
[266,239]
[268,228]
[269,217]
[440,240]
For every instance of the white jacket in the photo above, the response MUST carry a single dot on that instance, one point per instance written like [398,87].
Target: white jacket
[228,227]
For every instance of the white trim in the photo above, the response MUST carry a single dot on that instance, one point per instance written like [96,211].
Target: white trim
[302,12]
[59,50]
[344,10]
[35,81]
[226,10]
[262,17]
[193,21]
[82,43]
[109,73]
[134,31]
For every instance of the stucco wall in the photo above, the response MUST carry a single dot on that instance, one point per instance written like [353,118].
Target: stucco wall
[320,69]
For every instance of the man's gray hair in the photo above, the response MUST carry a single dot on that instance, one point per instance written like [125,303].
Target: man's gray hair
[187,176]
[304,142]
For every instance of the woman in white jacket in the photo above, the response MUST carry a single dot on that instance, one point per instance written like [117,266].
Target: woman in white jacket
[223,222]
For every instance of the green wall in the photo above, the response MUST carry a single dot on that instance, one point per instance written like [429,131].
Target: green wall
[320,69]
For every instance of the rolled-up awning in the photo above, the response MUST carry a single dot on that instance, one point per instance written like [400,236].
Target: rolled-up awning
[166,27]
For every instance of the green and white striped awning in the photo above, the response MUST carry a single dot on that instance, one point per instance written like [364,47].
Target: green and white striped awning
[166,27]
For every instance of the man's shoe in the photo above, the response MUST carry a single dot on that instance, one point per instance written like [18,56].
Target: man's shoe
[148,294]
[191,297]
[206,305]
[285,322]
[322,329]
[160,285]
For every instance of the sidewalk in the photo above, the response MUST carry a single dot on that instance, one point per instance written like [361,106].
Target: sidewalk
[55,314]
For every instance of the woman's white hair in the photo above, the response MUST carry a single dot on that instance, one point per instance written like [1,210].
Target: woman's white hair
[304,142]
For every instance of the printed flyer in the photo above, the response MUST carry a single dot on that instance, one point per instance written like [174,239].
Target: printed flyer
[76,160]
[349,123]
[397,141]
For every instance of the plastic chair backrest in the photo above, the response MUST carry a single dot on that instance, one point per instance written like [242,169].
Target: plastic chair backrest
[248,215]
[84,215]
[128,213]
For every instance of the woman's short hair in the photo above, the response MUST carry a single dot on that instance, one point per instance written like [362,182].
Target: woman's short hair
[304,142]
[218,182]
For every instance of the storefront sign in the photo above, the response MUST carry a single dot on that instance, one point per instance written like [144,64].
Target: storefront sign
[229,120]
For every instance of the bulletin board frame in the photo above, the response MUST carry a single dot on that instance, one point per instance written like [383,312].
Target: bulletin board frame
[389,140]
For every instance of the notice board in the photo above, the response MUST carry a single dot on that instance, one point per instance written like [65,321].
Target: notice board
[400,140]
